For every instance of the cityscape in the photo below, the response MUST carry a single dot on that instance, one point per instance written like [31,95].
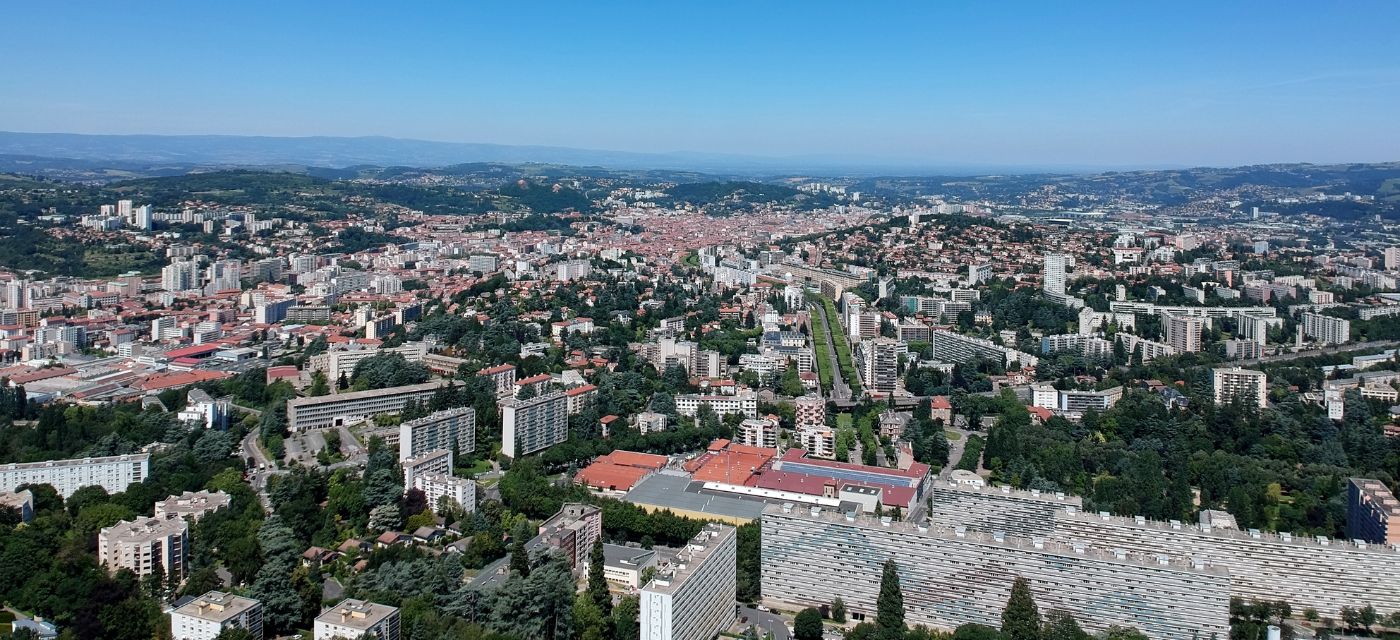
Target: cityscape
[320,369]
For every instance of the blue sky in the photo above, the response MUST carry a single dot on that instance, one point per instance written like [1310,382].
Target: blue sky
[1074,83]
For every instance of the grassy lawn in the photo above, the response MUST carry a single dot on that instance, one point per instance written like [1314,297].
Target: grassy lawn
[820,335]
[953,435]
[843,350]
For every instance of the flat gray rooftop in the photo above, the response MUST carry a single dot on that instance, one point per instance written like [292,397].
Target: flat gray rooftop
[680,492]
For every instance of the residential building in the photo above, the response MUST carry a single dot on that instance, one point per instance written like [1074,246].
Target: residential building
[1183,332]
[21,501]
[650,422]
[744,403]
[1056,268]
[573,531]
[1241,384]
[205,411]
[440,430]
[759,432]
[112,473]
[437,461]
[692,597]
[878,362]
[952,575]
[1326,329]
[1373,514]
[961,349]
[818,440]
[356,619]
[436,486]
[192,505]
[146,546]
[503,375]
[205,617]
[810,411]
[535,424]
[345,408]
[623,565]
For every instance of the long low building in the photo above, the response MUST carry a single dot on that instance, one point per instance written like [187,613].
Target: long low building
[1315,573]
[112,473]
[325,411]
[951,576]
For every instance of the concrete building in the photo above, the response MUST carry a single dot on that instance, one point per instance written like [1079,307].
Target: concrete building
[205,411]
[818,440]
[1245,385]
[744,403]
[952,576]
[573,531]
[342,361]
[623,565]
[1307,572]
[112,473]
[344,408]
[1373,514]
[650,422]
[438,430]
[437,461]
[535,424]
[205,617]
[692,598]
[1183,331]
[758,432]
[961,349]
[810,411]
[354,619]
[192,505]
[1056,269]
[436,486]
[877,360]
[146,546]
[1326,329]
[21,501]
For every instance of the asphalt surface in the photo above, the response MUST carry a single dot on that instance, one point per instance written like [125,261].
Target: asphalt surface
[765,621]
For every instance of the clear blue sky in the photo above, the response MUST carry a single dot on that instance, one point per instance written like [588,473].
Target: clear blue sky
[1043,83]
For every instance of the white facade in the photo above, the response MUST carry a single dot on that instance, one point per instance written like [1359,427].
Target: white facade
[145,546]
[744,403]
[352,619]
[1244,384]
[112,473]
[693,597]
[533,425]
[439,430]
[1326,329]
[214,612]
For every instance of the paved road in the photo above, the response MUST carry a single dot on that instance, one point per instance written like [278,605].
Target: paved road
[766,621]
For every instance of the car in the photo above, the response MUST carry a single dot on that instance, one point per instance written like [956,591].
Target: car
[764,609]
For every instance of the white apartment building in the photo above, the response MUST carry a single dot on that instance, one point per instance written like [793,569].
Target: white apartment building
[953,575]
[744,403]
[818,440]
[438,430]
[436,486]
[692,598]
[145,546]
[112,473]
[342,408]
[343,361]
[207,616]
[1244,384]
[1056,269]
[878,362]
[810,411]
[535,424]
[438,461]
[356,618]
[759,432]
[1326,329]
[192,505]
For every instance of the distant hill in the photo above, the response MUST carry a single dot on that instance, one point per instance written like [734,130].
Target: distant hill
[338,152]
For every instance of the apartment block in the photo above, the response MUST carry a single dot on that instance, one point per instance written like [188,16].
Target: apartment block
[877,360]
[952,576]
[146,546]
[343,408]
[758,432]
[436,486]
[440,430]
[1307,572]
[1373,514]
[692,597]
[112,473]
[192,505]
[1326,329]
[207,616]
[1183,331]
[744,403]
[1245,385]
[356,619]
[535,424]
[437,461]
[810,411]
[961,349]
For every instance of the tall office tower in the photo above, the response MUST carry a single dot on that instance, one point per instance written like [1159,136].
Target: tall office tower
[692,598]
[535,424]
[1245,385]
[1056,269]
[1183,331]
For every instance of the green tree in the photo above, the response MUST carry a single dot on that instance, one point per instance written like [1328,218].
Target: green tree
[597,583]
[319,387]
[1060,625]
[889,605]
[807,625]
[838,610]
[626,619]
[1020,620]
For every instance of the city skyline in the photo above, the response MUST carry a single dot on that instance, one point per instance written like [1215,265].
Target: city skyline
[1087,86]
